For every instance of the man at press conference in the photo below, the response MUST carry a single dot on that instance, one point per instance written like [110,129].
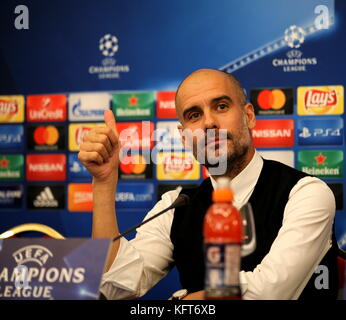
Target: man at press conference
[293,212]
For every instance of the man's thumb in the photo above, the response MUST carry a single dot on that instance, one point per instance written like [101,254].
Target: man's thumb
[109,119]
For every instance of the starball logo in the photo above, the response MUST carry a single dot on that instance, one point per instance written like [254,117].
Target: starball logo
[108,45]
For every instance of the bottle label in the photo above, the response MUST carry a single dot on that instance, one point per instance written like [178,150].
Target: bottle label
[222,265]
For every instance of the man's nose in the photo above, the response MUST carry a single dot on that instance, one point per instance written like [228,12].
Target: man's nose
[210,122]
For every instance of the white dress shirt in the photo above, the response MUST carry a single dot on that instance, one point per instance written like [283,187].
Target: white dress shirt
[302,242]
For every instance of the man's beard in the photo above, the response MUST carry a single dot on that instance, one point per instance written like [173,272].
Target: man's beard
[220,158]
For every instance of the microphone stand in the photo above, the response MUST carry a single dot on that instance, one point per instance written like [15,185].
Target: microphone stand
[182,200]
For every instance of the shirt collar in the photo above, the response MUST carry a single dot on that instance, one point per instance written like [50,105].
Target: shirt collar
[244,183]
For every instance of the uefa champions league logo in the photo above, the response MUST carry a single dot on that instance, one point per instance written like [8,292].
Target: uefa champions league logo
[294,36]
[108,45]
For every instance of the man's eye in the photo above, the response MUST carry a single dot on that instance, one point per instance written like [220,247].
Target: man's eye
[194,116]
[222,106]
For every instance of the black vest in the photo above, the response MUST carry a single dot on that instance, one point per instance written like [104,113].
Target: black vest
[268,201]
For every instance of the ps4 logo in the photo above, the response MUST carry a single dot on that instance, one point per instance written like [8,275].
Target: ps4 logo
[76,170]
[320,132]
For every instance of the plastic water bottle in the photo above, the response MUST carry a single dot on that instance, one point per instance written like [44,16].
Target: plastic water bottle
[223,235]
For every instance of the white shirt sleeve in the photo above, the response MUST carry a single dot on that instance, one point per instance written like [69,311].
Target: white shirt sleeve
[146,259]
[302,242]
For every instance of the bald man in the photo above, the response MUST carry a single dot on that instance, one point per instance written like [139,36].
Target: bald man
[293,212]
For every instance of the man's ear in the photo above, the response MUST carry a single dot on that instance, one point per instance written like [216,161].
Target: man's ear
[250,115]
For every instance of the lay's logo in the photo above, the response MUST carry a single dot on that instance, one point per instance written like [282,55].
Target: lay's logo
[173,164]
[11,108]
[177,166]
[77,132]
[8,107]
[320,100]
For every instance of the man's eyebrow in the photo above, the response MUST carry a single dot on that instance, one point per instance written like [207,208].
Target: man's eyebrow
[224,97]
[192,108]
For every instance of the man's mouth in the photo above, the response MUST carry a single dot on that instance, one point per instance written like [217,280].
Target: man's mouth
[214,142]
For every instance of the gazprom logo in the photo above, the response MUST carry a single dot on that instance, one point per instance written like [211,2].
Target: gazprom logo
[320,131]
[33,253]
[88,106]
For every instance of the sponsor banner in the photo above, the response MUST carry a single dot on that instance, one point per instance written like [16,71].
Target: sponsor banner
[177,166]
[46,138]
[11,197]
[274,133]
[46,108]
[340,233]
[165,108]
[135,195]
[273,101]
[88,106]
[51,269]
[312,132]
[320,100]
[168,136]
[46,167]
[76,132]
[11,108]
[163,188]
[11,167]
[338,190]
[322,163]
[136,166]
[80,197]
[283,156]
[133,105]
[75,168]
[46,197]
[11,137]
[136,135]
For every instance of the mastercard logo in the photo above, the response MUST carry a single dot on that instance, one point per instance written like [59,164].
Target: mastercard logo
[271,99]
[133,164]
[46,135]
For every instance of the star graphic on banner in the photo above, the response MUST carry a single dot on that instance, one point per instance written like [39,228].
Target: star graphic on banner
[133,101]
[4,163]
[320,159]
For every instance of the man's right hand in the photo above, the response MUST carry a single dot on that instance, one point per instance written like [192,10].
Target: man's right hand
[99,151]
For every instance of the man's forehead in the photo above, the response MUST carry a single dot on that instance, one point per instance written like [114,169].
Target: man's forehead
[208,87]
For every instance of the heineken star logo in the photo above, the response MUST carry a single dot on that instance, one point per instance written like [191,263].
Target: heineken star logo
[320,159]
[4,163]
[133,101]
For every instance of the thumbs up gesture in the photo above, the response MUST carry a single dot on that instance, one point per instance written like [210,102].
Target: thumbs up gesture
[99,151]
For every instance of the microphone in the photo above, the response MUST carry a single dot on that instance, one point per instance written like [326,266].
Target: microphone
[180,201]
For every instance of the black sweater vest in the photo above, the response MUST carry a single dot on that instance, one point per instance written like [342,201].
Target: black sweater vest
[268,201]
